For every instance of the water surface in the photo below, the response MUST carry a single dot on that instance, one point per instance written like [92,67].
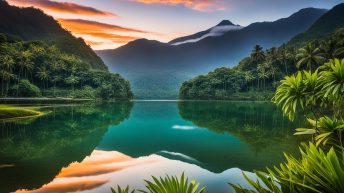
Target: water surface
[90,147]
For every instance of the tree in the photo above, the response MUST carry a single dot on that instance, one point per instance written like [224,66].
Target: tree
[7,64]
[72,80]
[248,76]
[309,56]
[257,54]
[43,74]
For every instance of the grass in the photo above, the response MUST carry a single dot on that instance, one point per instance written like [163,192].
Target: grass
[13,112]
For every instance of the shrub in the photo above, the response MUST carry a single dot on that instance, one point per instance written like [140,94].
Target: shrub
[316,171]
[87,92]
[25,89]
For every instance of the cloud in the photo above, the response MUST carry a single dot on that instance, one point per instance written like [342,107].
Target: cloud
[61,7]
[101,31]
[199,5]
[77,25]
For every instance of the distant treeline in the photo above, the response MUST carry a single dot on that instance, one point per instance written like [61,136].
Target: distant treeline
[257,76]
[34,69]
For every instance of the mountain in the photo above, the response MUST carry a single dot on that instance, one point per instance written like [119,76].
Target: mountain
[218,30]
[163,61]
[32,24]
[328,23]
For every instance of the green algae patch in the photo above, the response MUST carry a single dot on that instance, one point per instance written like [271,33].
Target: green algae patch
[13,112]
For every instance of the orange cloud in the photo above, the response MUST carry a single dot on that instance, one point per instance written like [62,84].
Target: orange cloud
[61,7]
[199,5]
[113,37]
[81,25]
[96,33]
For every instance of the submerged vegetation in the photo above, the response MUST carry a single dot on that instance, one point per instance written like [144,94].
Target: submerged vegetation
[10,112]
[259,74]
[35,69]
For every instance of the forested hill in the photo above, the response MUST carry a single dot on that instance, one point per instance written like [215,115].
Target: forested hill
[328,23]
[257,76]
[30,24]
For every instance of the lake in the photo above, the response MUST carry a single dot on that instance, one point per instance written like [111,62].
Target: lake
[91,147]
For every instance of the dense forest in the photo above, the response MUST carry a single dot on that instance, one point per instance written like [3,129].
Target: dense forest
[256,77]
[34,69]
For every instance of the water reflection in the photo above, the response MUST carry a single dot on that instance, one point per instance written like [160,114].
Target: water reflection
[36,150]
[103,169]
[213,135]
[84,148]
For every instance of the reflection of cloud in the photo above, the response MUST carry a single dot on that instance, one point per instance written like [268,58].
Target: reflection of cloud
[81,177]
[63,187]
[180,155]
[90,173]
[183,127]
[199,5]
[61,7]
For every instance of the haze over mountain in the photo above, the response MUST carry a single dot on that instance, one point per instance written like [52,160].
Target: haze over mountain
[157,69]
[218,30]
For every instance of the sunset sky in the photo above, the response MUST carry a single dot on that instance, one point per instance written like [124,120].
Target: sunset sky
[108,24]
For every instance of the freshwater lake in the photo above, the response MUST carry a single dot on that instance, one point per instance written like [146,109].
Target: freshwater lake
[92,147]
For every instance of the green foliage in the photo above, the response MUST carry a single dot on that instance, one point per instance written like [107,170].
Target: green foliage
[168,184]
[86,93]
[316,171]
[120,190]
[25,89]
[172,185]
[52,70]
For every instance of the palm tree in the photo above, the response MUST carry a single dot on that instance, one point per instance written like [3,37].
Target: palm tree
[309,56]
[43,74]
[262,73]
[7,64]
[55,79]
[248,75]
[284,57]
[257,54]
[72,80]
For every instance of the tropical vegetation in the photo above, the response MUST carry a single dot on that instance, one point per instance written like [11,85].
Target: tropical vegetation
[257,77]
[319,95]
[35,69]
[168,184]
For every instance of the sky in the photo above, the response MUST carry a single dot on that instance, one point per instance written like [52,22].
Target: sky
[108,24]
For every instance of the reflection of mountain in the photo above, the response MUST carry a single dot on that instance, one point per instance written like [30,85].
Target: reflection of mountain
[103,169]
[157,128]
[38,150]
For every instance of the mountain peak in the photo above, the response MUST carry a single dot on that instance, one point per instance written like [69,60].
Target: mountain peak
[224,23]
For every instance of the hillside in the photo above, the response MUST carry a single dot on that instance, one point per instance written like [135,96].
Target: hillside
[32,24]
[258,74]
[328,23]
[142,58]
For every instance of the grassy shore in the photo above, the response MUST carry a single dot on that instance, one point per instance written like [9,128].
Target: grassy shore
[11,112]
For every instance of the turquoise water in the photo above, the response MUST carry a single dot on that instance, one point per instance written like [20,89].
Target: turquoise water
[91,147]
